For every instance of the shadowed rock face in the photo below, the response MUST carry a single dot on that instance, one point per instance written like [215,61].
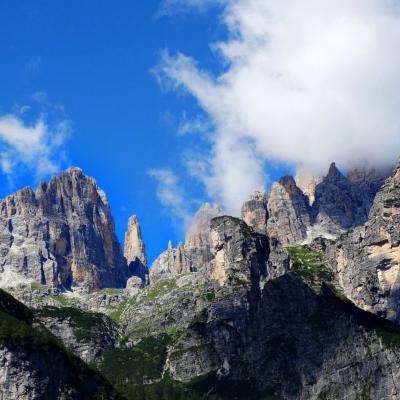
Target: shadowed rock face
[328,207]
[35,366]
[339,204]
[62,235]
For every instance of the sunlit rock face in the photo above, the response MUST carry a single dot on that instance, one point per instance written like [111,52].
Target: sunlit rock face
[289,212]
[134,247]
[62,235]
[135,251]
[255,211]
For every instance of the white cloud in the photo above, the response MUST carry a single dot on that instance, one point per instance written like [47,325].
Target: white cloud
[306,83]
[171,194]
[35,146]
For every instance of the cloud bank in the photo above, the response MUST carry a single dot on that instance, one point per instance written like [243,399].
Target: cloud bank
[305,83]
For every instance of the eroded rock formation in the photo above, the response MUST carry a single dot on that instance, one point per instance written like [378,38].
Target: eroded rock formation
[62,235]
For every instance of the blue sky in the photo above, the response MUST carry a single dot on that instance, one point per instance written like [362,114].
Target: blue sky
[96,63]
[209,103]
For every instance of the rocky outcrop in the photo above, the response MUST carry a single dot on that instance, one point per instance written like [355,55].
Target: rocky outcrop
[35,365]
[289,212]
[61,235]
[134,247]
[309,207]
[135,252]
[339,204]
[255,212]
[367,258]
[86,334]
[240,254]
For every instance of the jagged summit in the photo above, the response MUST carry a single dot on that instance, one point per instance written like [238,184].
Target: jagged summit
[62,235]
[333,172]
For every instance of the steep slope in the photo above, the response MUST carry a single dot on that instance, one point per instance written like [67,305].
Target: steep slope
[240,334]
[35,365]
[61,235]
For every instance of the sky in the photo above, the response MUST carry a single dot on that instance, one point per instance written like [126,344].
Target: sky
[172,103]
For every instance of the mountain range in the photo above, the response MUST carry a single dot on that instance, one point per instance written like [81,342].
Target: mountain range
[296,299]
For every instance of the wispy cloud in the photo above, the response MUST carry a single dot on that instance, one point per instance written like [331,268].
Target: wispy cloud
[305,84]
[34,143]
[171,194]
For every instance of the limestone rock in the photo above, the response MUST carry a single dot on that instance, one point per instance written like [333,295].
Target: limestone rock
[62,234]
[339,204]
[134,247]
[240,254]
[255,212]
[367,259]
[289,212]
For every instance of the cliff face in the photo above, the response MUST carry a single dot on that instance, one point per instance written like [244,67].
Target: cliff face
[302,209]
[61,235]
[135,252]
[244,309]
[289,212]
[255,212]
[367,259]
[35,365]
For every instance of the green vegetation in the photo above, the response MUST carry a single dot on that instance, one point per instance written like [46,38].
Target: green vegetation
[160,289]
[36,286]
[391,202]
[83,322]
[390,335]
[209,296]
[309,266]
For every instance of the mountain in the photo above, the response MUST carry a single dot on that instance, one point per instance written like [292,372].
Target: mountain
[61,235]
[296,300]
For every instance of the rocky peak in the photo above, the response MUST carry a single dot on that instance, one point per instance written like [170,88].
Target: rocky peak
[333,172]
[339,204]
[289,212]
[241,255]
[134,247]
[255,211]
[62,234]
[135,252]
